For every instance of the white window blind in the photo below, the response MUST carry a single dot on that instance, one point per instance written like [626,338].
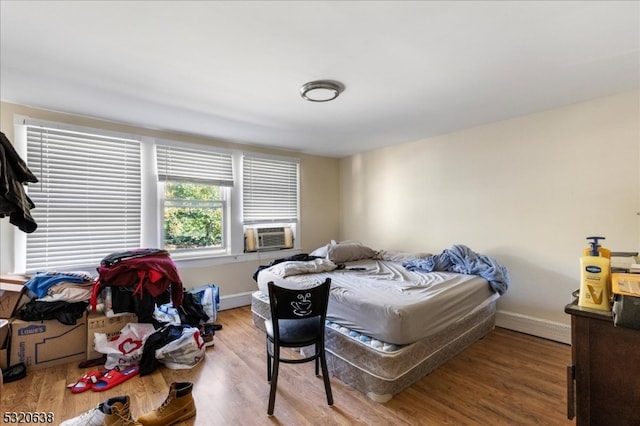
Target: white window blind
[269,189]
[87,198]
[180,164]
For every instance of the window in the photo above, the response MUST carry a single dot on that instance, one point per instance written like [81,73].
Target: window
[193,216]
[87,198]
[269,189]
[100,192]
[194,197]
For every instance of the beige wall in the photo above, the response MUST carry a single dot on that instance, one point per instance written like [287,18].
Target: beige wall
[527,191]
[319,203]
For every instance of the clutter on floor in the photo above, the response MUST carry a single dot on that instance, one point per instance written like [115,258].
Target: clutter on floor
[178,406]
[99,381]
[14,372]
[141,318]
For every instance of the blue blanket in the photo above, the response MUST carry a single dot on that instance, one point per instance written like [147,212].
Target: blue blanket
[461,259]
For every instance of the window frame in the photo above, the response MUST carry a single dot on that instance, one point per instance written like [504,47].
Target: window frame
[267,181]
[151,200]
[227,194]
[186,253]
[69,135]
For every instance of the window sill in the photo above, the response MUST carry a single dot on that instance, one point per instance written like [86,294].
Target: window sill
[221,259]
[199,260]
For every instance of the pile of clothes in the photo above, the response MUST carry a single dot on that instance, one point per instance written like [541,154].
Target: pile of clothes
[58,295]
[139,279]
[174,326]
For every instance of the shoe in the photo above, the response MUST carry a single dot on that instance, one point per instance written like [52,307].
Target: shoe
[207,332]
[14,372]
[93,417]
[116,412]
[114,377]
[86,381]
[178,406]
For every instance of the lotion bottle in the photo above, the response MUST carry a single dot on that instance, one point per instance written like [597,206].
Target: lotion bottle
[604,252]
[595,278]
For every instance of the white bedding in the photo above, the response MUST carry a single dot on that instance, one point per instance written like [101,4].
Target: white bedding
[389,303]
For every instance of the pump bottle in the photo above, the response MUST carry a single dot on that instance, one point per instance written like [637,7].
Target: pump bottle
[595,292]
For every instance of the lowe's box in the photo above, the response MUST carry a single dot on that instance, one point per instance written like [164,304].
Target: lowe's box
[12,293]
[5,327]
[111,326]
[41,344]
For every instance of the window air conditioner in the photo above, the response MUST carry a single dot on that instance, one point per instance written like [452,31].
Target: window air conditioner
[262,239]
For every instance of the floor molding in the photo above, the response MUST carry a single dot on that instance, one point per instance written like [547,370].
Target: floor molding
[235,300]
[535,326]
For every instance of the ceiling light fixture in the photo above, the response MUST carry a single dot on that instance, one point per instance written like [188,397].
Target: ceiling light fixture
[321,90]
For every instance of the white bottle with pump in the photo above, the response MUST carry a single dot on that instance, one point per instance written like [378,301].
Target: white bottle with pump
[594,278]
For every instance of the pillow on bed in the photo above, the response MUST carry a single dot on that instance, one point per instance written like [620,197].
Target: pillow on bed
[334,242]
[340,253]
[400,256]
[320,251]
[294,267]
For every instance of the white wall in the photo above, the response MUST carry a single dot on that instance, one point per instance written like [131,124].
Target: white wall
[526,191]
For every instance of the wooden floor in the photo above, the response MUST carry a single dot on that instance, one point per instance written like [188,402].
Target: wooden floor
[507,378]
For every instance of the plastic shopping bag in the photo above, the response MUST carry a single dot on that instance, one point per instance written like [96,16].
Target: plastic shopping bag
[126,349]
[167,314]
[209,297]
[184,352]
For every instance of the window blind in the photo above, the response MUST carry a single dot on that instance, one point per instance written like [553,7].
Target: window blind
[87,198]
[269,189]
[194,166]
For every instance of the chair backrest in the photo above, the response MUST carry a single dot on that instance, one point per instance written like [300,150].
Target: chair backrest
[299,304]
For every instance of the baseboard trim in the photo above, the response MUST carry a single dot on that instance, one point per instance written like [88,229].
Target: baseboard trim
[535,326]
[235,300]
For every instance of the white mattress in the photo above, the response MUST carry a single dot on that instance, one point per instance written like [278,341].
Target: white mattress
[391,304]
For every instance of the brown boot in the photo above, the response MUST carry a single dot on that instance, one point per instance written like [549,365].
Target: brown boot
[178,406]
[117,412]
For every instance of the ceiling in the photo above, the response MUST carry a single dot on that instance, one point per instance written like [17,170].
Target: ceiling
[233,70]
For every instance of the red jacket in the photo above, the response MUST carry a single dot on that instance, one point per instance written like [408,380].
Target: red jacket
[152,273]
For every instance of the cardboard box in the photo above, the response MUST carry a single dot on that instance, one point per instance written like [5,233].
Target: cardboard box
[12,292]
[5,336]
[111,326]
[41,344]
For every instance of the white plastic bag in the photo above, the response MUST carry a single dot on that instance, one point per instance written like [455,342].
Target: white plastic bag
[167,314]
[184,352]
[209,297]
[126,349]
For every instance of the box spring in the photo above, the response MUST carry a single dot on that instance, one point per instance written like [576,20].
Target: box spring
[381,371]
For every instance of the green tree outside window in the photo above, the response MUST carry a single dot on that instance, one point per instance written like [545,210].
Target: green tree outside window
[193,216]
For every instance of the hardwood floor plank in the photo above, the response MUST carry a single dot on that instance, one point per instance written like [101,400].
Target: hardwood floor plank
[505,378]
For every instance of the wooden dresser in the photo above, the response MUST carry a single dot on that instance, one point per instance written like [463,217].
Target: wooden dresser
[603,379]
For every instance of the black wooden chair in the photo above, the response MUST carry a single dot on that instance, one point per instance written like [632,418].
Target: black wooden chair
[297,321]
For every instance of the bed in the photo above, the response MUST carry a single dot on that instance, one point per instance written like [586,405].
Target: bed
[387,325]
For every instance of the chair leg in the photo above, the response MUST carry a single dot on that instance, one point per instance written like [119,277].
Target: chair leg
[325,377]
[274,381]
[269,362]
